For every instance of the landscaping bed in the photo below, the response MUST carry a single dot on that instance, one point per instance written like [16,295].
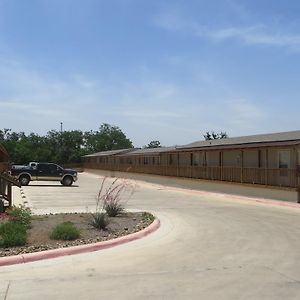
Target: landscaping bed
[38,234]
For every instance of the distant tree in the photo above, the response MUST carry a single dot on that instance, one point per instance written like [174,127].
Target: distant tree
[215,136]
[108,137]
[153,144]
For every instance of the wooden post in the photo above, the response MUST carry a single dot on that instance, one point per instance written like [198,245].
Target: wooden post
[177,171]
[191,165]
[267,167]
[221,162]
[296,160]
[242,166]
[9,194]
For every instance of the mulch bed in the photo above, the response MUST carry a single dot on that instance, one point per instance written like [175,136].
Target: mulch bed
[41,226]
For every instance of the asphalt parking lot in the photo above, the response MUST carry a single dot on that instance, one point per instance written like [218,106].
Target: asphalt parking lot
[208,247]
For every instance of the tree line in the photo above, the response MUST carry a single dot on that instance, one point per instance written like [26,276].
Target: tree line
[62,147]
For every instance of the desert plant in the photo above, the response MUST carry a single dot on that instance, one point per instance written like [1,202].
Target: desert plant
[21,215]
[12,234]
[113,207]
[66,231]
[99,220]
[111,199]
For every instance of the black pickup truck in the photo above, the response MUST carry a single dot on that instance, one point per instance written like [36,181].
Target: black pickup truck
[43,171]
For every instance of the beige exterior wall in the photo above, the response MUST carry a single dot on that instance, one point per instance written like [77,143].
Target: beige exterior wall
[199,158]
[232,158]
[184,159]
[272,158]
[164,159]
[263,158]
[250,159]
[213,158]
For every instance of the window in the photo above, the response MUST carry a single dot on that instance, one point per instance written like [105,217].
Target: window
[196,159]
[284,162]
[145,161]
[283,159]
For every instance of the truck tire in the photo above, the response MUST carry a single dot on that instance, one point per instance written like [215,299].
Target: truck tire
[67,181]
[24,180]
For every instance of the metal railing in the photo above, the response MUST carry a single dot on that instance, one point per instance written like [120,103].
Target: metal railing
[261,176]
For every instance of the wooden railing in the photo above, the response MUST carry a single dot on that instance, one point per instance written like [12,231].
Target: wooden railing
[6,183]
[262,176]
[3,166]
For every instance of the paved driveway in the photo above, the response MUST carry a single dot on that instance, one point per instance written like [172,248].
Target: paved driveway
[208,247]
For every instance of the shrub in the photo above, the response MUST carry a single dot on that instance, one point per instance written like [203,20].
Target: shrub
[113,207]
[66,231]
[21,215]
[12,234]
[99,220]
[148,216]
[111,198]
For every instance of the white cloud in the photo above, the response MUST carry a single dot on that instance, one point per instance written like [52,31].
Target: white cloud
[253,34]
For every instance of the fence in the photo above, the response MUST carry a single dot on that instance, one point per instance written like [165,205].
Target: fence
[262,176]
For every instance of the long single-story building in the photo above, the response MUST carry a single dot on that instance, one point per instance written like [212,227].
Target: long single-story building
[264,159]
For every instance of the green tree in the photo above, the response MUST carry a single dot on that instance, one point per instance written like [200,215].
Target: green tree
[153,144]
[61,147]
[108,137]
[215,136]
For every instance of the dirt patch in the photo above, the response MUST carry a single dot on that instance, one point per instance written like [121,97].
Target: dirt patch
[41,226]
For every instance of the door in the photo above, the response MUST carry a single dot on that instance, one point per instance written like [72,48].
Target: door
[49,172]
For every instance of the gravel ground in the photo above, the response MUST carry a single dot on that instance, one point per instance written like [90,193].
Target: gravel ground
[41,226]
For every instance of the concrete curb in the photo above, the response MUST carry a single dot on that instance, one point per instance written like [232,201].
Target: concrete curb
[242,198]
[30,257]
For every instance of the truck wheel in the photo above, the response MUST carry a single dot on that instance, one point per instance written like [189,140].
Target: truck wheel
[24,180]
[67,181]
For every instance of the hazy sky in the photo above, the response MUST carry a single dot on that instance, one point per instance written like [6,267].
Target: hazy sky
[160,70]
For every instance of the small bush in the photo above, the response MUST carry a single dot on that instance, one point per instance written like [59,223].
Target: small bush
[148,216]
[99,220]
[113,208]
[21,215]
[12,234]
[66,231]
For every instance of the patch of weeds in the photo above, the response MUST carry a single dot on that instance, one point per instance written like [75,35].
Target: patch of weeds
[148,216]
[20,215]
[99,220]
[12,234]
[113,208]
[111,199]
[65,231]
[40,218]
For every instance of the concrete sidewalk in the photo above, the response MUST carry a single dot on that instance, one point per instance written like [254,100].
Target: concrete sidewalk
[208,247]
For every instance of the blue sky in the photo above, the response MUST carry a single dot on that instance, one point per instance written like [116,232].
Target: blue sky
[160,70]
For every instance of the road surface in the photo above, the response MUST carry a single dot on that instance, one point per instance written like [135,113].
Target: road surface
[208,247]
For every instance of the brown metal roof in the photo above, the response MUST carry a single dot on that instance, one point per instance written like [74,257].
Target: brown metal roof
[111,152]
[150,151]
[284,138]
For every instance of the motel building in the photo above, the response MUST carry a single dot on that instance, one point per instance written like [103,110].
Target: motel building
[264,162]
